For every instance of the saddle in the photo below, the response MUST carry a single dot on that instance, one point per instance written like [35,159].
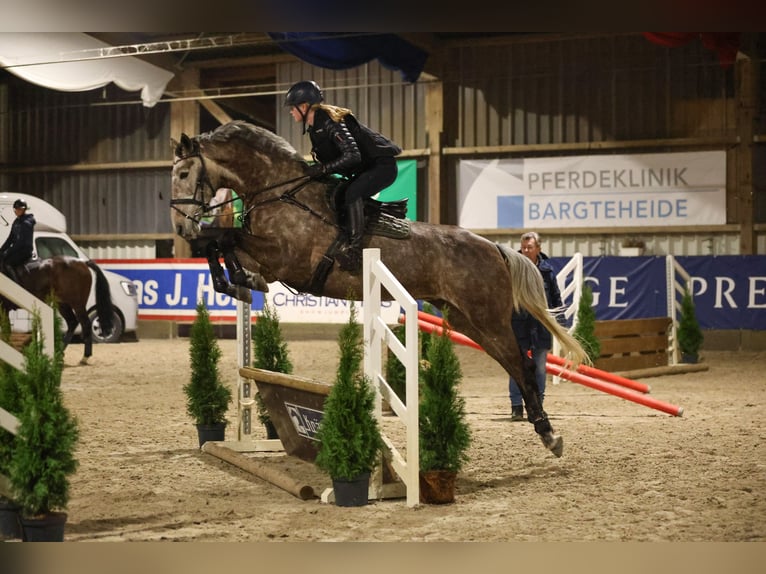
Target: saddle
[13,271]
[383,218]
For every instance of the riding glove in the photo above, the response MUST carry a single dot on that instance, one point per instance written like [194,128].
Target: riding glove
[316,169]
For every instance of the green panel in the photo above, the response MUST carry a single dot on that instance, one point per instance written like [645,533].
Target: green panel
[406,185]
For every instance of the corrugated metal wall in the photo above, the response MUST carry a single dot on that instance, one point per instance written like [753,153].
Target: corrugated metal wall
[377,96]
[47,127]
[588,90]
[53,130]
[104,203]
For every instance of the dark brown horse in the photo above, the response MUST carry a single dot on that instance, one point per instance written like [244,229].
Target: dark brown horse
[69,280]
[290,227]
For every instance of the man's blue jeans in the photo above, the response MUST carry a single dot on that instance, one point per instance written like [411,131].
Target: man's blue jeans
[539,356]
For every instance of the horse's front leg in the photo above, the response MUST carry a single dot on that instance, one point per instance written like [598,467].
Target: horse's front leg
[238,275]
[220,283]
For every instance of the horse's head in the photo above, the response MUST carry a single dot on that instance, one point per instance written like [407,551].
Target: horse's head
[237,155]
[195,181]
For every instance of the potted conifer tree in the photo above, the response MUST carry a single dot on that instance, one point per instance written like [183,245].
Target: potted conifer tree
[443,431]
[689,333]
[10,401]
[44,452]
[350,440]
[270,353]
[396,373]
[207,398]
[585,329]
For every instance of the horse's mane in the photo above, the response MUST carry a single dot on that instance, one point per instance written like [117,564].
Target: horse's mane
[254,136]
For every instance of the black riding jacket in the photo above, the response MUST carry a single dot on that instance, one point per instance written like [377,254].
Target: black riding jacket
[20,243]
[347,147]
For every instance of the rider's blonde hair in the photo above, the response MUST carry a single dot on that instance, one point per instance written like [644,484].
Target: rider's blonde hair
[336,113]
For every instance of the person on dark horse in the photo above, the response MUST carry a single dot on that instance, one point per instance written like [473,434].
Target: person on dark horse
[19,245]
[341,145]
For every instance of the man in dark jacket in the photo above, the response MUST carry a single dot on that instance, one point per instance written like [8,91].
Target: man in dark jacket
[19,245]
[342,145]
[530,334]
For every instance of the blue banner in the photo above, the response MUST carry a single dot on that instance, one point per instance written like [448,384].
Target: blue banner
[729,290]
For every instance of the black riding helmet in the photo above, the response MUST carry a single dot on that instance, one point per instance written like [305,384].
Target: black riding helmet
[20,204]
[305,91]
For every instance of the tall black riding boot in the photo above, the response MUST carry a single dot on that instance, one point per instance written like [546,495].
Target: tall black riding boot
[350,256]
[11,273]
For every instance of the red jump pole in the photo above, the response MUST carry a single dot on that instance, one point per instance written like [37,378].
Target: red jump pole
[584,369]
[604,375]
[454,335]
[431,324]
[614,389]
[423,316]
[428,327]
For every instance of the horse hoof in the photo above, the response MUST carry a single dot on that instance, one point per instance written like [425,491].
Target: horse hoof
[238,277]
[553,443]
[84,361]
[243,294]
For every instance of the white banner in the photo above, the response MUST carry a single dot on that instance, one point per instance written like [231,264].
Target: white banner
[304,308]
[168,289]
[593,191]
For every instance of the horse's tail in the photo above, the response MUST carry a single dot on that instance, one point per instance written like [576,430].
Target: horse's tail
[103,299]
[528,291]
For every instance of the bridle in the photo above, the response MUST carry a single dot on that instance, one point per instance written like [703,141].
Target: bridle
[203,180]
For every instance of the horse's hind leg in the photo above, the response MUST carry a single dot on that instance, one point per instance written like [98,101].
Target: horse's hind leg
[87,335]
[497,339]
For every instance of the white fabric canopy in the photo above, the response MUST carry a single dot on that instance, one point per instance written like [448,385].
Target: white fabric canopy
[24,52]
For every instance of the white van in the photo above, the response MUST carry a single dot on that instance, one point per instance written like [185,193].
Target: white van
[51,239]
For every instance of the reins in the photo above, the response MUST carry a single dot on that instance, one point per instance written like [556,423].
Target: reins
[204,180]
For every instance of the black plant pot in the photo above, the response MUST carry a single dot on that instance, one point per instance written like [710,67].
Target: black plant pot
[44,528]
[352,492]
[688,358]
[10,528]
[214,432]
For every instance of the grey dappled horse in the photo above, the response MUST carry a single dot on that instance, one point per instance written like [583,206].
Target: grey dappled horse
[290,227]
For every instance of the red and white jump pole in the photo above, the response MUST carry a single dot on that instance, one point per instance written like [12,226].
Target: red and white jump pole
[584,369]
[616,385]
[614,389]
[599,374]
[427,327]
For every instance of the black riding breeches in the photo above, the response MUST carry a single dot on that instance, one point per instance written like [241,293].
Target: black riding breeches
[13,259]
[378,177]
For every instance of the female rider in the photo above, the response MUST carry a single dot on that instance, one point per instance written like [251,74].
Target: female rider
[342,145]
